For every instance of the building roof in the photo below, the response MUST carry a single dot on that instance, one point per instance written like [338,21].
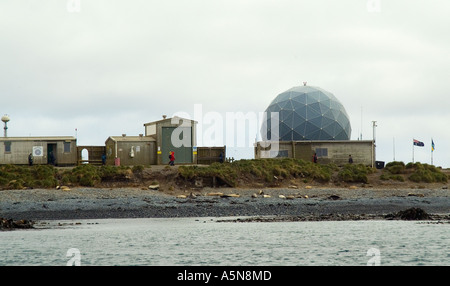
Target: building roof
[39,138]
[169,119]
[131,138]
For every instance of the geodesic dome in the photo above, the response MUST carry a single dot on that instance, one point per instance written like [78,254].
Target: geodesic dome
[307,113]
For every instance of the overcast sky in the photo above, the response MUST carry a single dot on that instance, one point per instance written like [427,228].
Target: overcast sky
[107,67]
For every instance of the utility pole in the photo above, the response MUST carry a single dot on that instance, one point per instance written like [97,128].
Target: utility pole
[373,144]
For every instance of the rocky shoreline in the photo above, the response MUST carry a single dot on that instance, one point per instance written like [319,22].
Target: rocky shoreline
[9,224]
[274,204]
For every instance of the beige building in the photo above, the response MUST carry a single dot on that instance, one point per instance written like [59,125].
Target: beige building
[60,151]
[174,134]
[130,150]
[332,151]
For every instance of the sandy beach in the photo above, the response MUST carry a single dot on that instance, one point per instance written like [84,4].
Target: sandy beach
[313,203]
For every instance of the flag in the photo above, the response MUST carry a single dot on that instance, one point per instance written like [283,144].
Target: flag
[432,145]
[418,143]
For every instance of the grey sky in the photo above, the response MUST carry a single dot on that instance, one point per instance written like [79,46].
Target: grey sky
[115,65]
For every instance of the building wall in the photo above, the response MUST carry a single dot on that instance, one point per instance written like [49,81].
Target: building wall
[22,147]
[163,144]
[338,153]
[209,155]
[327,151]
[95,154]
[144,152]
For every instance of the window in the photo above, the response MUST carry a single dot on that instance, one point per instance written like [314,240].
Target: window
[66,147]
[7,147]
[322,152]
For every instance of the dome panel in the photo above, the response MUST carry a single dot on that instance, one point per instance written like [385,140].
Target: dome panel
[308,113]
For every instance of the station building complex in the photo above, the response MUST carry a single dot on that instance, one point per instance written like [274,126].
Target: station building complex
[151,148]
[309,121]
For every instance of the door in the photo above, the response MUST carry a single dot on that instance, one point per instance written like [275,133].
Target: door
[51,154]
[183,154]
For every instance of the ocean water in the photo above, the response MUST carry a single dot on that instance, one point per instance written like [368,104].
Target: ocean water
[205,241]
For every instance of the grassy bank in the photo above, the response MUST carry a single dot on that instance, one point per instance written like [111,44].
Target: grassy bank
[242,173]
[271,170]
[47,176]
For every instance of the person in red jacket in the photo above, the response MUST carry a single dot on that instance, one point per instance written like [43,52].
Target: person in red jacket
[172,158]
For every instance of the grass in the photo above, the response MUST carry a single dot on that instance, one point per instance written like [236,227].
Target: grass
[46,176]
[267,170]
[415,172]
[89,175]
[394,171]
[19,177]
[355,173]
[426,173]
[235,173]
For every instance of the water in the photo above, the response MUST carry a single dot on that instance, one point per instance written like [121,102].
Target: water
[204,241]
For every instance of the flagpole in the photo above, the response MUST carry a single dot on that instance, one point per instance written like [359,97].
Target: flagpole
[413,152]
[393,146]
[431,157]
[432,147]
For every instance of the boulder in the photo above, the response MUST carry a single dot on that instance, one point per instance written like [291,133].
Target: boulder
[334,197]
[153,187]
[9,224]
[413,214]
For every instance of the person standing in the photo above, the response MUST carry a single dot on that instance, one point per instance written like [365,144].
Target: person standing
[52,158]
[350,159]
[30,159]
[315,158]
[172,158]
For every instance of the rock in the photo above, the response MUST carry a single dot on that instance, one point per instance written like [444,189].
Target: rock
[153,187]
[353,187]
[215,194]
[412,214]
[266,196]
[199,183]
[334,197]
[9,224]
[293,187]
[308,187]
[192,196]
[254,195]
[181,196]
[306,197]
[282,196]
[230,196]
[290,197]
[63,188]
[416,195]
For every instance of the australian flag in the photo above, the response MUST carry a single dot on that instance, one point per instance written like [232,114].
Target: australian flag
[418,143]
